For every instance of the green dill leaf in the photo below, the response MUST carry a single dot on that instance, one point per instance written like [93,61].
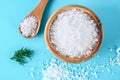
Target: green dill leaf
[21,55]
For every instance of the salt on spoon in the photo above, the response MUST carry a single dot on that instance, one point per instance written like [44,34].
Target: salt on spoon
[31,24]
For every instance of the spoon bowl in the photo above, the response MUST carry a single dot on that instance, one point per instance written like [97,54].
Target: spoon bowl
[37,13]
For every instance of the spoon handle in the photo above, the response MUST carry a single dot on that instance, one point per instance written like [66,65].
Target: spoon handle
[39,10]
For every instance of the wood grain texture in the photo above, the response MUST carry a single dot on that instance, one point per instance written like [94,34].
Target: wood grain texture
[68,59]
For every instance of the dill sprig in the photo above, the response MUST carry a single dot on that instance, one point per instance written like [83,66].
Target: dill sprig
[21,55]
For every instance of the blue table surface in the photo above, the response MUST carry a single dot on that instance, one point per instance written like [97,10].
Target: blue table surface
[12,12]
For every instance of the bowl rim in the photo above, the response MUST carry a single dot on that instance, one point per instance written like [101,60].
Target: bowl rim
[65,58]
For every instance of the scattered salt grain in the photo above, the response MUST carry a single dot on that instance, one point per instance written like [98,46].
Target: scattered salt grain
[32,74]
[55,72]
[74,33]
[110,49]
[94,63]
[97,56]
[118,51]
[95,74]
[113,73]
[28,26]
[117,59]
[108,69]
[33,68]
[102,71]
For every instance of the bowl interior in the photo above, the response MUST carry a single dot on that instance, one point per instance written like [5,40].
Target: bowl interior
[65,58]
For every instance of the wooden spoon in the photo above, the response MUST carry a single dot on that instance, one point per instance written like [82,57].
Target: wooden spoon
[38,13]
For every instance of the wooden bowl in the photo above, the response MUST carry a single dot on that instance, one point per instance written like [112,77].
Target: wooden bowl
[68,59]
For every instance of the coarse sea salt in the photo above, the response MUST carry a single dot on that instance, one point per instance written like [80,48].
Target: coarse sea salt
[74,33]
[28,26]
[55,72]
[117,59]
[63,71]
[53,69]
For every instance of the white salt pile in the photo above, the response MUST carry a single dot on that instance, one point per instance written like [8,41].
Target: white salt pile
[55,72]
[74,33]
[53,69]
[28,26]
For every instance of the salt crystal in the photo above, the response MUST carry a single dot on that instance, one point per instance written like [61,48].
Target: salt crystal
[108,69]
[113,73]
[74,33]
[102,71]
[117,59]
[94,63]
[98,56]
[33,68]
[118,51]
[110,49]
[96,76]
[32,75]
